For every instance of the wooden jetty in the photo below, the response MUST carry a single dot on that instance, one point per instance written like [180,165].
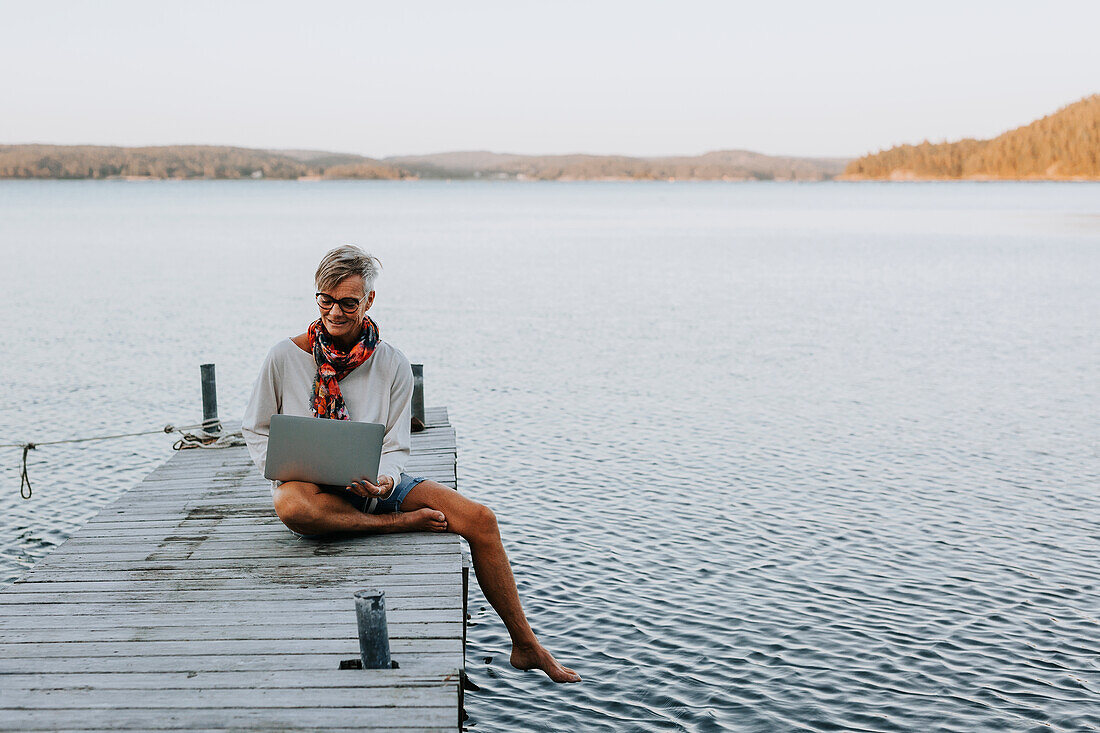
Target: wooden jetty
[186,604]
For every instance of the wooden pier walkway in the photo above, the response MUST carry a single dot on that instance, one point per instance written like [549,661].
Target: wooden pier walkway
[185,604]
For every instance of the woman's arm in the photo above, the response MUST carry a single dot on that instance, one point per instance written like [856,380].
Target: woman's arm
[398,438]
[266,400]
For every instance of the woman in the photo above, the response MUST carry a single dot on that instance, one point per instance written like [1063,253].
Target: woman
[341,369]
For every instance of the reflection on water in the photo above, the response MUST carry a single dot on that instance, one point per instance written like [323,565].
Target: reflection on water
[766,457]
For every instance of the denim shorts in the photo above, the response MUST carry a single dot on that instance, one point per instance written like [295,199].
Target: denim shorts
[370,504]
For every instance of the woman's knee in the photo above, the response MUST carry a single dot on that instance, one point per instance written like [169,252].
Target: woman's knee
[481,521]
[465,517]
[293,507]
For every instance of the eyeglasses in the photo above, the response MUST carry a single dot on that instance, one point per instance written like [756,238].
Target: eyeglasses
[348,305]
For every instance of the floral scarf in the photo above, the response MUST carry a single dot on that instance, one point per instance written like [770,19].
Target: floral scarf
[334,364]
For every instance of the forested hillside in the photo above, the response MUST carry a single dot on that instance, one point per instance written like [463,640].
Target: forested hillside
[1061,146]
[213,162]
[725,165]
[181,162]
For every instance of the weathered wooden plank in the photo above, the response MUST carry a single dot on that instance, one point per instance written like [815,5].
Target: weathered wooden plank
[110,522]
[94,553]
[222,506]
[235,462]
[182,590]
[195,519]
[266,529]
[358,679]
[189,699]
[375,564]
[228,647]
[146,557]
[222,462]
[230,718]
[438,592]
[432,458]
[153,503]
[300,729]
[297,729]
[258,534]
[437,454]
[437,448]
[303,575]
[411,595]
[250,561]
[253,485]
[424,663]
[246,613]
[241,630]
[219,616]
[265,535]
[263,530]
[199,485]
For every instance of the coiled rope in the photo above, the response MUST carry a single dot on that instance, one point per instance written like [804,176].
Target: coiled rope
[209,440]
[186,440]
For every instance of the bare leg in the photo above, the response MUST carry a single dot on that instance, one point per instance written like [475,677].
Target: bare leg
[304,508]
[478,525]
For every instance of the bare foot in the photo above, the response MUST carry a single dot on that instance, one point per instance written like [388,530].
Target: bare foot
[428,520]
[537,657]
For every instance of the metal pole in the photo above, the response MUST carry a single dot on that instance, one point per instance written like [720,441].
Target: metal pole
[210,422]
[374,636]
[418,393]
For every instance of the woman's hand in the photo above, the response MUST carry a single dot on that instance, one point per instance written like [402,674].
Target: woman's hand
[380,490]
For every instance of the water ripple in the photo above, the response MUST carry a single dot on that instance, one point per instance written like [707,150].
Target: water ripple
[762,461]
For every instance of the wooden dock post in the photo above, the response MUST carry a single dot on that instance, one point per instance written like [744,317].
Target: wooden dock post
[186,603]
[374,637]
[418,398]
[210,422]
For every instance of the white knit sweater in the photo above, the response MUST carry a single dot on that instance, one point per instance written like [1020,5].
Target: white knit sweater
[379,390]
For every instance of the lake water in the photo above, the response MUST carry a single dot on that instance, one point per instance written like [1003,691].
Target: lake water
[765,456]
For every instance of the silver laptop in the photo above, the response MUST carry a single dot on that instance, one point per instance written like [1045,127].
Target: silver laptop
[322,451]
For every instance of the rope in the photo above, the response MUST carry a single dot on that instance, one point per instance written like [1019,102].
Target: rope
[24,479]
[165,429]
[188,440]
[208,440]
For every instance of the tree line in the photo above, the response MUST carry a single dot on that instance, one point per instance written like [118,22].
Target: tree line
[213,162]
[177,162]
[1063,145]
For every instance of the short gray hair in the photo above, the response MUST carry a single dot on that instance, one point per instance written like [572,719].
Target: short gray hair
[345,261]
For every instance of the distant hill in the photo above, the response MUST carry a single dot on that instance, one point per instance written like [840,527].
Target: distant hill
[461,164]
[727,165]
[182,162]
[1061,146]
[214,162]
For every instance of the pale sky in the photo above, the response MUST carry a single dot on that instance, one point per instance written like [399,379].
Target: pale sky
[636,78]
